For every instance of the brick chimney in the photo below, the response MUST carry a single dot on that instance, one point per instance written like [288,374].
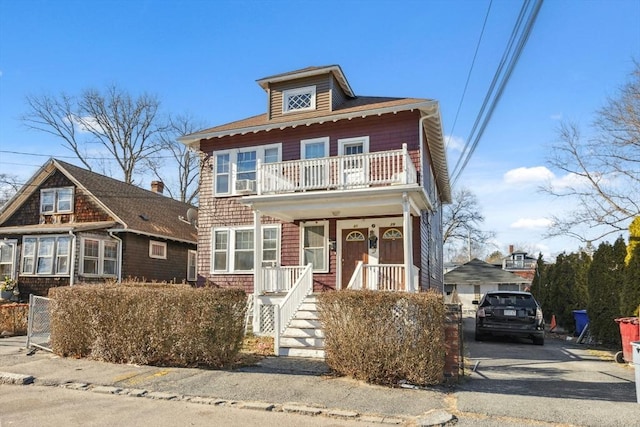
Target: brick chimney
[157,187]
[510,246]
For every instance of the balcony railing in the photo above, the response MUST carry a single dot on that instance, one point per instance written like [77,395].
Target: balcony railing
[524,264]
[341,172]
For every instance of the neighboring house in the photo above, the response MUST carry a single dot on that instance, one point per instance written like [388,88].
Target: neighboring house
[337,190]
[68,225]
[473,279]
[518,262]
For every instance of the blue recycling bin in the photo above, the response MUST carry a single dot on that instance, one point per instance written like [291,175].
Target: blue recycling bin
[581,318]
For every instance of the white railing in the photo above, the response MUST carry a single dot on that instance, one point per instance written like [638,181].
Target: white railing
[381,277]
[342,172]
[279,279]
[288,307]
[356,277]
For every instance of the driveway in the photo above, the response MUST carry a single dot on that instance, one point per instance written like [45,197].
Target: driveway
[558,382]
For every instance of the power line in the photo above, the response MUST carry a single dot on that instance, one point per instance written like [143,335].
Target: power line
[473,61]
[510,59]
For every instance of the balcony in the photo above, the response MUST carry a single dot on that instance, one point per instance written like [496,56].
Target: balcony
[381,183]
[337,173]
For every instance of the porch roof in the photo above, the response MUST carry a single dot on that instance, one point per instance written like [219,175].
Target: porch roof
[56,228]
[350,203]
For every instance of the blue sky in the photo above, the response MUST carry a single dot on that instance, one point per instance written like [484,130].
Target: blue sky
[203,58]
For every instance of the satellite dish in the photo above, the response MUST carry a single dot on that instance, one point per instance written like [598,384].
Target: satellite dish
[192,215]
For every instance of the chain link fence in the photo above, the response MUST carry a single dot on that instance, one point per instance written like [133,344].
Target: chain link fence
[39,328]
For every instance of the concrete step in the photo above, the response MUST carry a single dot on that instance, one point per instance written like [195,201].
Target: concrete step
[304,332]
[316,353]
[304,342]
[308,306]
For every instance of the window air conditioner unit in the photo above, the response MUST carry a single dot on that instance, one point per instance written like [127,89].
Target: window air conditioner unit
[245,186]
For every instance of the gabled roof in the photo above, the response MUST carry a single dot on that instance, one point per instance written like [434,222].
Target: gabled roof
[479,272]
[134,209]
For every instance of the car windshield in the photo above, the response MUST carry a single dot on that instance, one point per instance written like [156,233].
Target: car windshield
[516,300]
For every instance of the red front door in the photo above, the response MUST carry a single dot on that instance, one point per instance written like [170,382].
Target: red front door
[354,249]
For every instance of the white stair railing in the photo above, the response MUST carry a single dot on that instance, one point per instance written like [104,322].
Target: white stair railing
[286,310]
[279,279]
[356,277]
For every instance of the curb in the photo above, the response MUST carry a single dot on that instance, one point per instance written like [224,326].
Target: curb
[431,418]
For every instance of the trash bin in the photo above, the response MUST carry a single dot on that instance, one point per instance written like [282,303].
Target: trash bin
[629,332]
[581,318]
[636,365]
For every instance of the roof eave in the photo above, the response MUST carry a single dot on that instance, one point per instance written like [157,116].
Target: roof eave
[335,69]
[426,107]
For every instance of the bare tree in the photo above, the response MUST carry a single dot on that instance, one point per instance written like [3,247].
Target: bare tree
[101,126]
[9,186]
[603,171]
[461,223]
[187,187]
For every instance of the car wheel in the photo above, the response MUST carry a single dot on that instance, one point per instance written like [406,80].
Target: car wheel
[619,357]
[538,340]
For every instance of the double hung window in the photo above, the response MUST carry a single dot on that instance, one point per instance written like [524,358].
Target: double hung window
[7,259]
[233,248]
[46,255]
[56,200]
[235,172]
[99,257]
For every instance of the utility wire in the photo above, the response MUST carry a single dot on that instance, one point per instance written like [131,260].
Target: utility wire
[466,84]
[483,119]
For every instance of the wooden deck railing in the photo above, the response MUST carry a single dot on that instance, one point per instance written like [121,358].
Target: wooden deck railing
[338,172]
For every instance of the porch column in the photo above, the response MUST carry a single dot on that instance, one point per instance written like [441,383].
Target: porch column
[408,244]
[257,267]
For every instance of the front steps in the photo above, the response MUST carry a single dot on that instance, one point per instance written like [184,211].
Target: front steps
[304,336]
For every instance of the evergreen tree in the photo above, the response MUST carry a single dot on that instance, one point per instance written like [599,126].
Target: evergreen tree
[605,280]
[561,299]
[630,299]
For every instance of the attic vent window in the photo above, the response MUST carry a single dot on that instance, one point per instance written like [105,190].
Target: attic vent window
[300,99]
[144,217]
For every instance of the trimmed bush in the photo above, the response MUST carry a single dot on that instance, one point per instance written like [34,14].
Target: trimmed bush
[165,325]
[385,337]
[13,318]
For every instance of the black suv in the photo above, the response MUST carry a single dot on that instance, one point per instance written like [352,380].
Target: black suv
[509,313]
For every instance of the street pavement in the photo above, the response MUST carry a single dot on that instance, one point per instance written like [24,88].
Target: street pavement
[496,393]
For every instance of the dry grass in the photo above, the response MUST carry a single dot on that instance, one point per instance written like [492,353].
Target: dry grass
[254,349]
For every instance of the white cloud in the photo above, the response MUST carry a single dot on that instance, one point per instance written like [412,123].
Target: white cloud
[454,143]
[528,175]
[570,180]
[531,223]
[556,117]
[84,124]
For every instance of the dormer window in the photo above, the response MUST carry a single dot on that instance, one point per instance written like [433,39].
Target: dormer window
[56,200]
[301,99]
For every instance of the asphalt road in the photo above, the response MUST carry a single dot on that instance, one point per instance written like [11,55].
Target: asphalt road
[561,382]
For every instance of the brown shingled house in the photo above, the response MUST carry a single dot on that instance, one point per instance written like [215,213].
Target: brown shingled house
[68,225]
[338,191]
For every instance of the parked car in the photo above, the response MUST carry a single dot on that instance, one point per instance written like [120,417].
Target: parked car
[509,313]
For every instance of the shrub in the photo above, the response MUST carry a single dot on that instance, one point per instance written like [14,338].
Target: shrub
[170,325]
[13,318]
[385,337]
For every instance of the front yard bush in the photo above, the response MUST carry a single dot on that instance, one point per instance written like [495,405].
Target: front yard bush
[13,318]
[169,325]
[385,337]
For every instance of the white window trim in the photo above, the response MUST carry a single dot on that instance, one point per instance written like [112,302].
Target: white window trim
[233,165]
[305,142]
[348,141]
[56,200]
[231,242]
[193,278]
[54,257]
[288,93]
[14,257]
[101,258]
[325,243]
[153,243]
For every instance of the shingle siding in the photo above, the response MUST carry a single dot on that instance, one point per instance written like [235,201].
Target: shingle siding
[139,265]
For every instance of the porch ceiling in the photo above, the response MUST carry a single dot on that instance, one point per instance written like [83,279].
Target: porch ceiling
[352,203]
